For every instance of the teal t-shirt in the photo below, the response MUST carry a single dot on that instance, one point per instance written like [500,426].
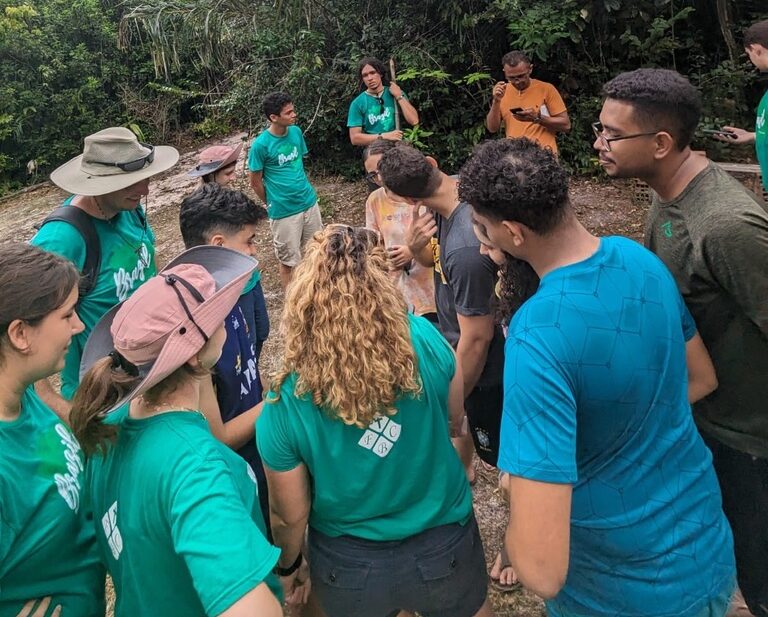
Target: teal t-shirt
[47,543]
[127,260]
[376,115]
[761,138]
[281,160]
[177,519]
[396,478]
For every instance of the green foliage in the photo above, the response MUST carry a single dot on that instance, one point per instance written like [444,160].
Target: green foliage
[73,67]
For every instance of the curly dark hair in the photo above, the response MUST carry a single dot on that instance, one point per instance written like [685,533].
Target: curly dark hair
[516,180]
[274,102]
[757,34]
[215,209]
[378,66]
[518,281]
[663,100]
[513,58]
[407,172]
[379,146]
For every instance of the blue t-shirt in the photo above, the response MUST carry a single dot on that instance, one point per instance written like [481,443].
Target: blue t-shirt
[236,375]
[595,395]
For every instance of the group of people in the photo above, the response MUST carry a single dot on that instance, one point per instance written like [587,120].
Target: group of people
[473,314]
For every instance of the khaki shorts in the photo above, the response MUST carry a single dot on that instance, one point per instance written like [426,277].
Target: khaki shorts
[290,234]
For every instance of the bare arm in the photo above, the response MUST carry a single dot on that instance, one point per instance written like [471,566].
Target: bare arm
[257,184]
[559,123]
[358,138]
[456,402]
[476,334]
[538,534]
[53,399]
[258,601]
[701,372]
[289,504]
[236,432]
[419,235]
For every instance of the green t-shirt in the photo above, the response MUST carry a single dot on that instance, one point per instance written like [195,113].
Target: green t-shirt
[47,544]
[713,237]
[178,520]
[376,115]
[127,260]
[280,159]
[761,138]
[398,477]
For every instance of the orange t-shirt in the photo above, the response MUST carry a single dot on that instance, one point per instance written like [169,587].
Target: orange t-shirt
[391,220]
[540,96]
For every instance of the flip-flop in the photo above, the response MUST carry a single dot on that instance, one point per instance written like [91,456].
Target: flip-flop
[502,556]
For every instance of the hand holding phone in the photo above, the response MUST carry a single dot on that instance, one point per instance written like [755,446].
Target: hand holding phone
[516,110]
[720,133]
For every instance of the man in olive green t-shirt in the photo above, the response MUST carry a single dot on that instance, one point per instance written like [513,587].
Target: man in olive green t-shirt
[712,233]
[756,46]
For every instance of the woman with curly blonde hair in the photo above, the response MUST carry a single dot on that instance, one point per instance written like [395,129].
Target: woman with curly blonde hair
[355,439]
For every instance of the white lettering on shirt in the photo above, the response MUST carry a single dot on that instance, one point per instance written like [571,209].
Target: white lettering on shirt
[373,118]
[68,484]
[380,436]
[125,281]
[111,532]
[282,159]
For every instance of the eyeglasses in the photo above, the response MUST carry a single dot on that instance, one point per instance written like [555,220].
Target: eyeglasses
[133,165]
[605,142]
[373,176]
[381,102]
[521,77]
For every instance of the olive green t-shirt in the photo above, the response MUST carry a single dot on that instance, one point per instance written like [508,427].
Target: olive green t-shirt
[393,479]
[714,239]
[178,520]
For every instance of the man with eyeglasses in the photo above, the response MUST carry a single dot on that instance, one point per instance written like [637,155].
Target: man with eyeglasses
[103,217]
[712,233]
[530,108]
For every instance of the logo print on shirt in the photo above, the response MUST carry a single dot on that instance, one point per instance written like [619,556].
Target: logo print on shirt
[125,281]
[112,533]
[760,122]
[373,118]
[380,436]
[667,229]
[282,159]
[68,483]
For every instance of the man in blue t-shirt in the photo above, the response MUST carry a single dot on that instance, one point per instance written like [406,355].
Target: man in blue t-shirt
[276,165]
[614,505]
[219,216]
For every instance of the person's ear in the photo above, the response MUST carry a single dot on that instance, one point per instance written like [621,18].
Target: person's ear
[19,336]
[216,240]
[516,232]
[663,144]
[432,161]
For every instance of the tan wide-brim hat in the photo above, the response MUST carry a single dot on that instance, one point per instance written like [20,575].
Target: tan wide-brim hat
[95,171]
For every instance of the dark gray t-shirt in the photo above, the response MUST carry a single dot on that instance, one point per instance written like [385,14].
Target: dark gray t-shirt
[464,283]
[714,239]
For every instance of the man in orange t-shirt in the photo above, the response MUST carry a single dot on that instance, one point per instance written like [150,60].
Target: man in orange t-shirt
[530,108]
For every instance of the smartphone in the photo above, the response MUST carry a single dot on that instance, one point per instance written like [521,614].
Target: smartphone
[721,132]
[516,110]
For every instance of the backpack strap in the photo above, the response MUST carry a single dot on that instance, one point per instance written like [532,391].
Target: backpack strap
[82,221]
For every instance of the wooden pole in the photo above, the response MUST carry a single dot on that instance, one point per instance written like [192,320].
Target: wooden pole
[392,78]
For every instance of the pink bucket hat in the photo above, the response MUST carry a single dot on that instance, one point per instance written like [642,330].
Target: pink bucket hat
[170,317]
[214,158]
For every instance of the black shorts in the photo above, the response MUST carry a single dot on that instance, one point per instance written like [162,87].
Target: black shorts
[439,572]
[484,407]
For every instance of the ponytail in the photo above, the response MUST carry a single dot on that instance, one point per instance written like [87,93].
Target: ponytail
[101,387]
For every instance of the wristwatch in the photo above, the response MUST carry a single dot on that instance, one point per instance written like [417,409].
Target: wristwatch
[400,98]
[290,569]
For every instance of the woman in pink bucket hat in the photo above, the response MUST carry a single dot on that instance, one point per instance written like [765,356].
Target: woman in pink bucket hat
[217,164]
[176,512]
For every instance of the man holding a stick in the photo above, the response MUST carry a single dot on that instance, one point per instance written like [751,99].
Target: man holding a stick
[375,112]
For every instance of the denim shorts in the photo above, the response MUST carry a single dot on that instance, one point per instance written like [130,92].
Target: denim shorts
[439,572]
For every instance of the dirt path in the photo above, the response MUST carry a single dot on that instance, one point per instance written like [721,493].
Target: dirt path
[604,208]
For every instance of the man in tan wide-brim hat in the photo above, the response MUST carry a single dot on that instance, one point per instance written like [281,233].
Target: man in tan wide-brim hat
[103,230]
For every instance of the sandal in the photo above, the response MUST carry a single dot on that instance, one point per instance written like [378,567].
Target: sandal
[500,564]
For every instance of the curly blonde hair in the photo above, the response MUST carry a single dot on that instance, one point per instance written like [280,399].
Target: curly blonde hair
[346,330]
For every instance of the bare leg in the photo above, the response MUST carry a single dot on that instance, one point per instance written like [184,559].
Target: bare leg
[286,273]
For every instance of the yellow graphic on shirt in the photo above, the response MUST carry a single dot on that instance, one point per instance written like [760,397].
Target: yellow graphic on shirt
[436,259]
